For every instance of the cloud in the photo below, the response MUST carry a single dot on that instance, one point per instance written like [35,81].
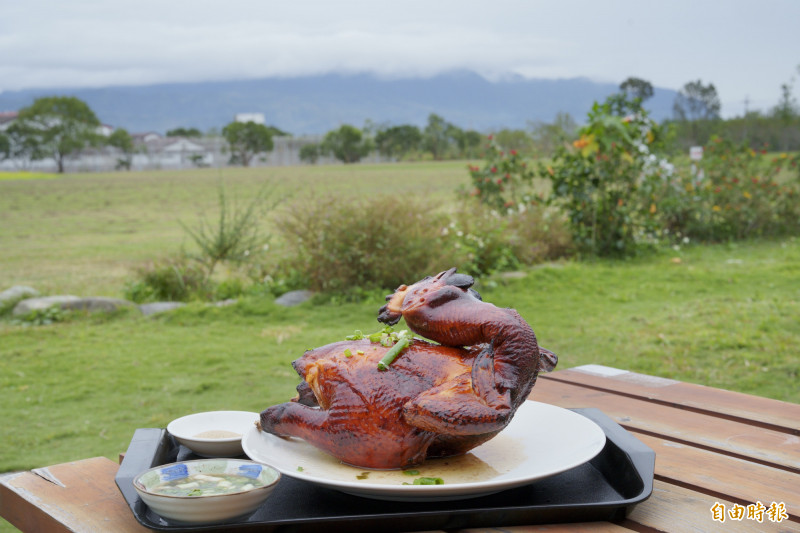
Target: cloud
[746,48]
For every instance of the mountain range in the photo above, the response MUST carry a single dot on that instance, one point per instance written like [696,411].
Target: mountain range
[317,104]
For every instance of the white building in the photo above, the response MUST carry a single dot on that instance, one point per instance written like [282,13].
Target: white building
[258,118]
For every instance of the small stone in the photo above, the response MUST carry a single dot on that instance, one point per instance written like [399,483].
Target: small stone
[292,298]
[16,293]
[159,307]
[95,303]
[42,303]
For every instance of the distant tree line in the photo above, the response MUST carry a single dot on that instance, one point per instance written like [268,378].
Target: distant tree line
[60,127]
[438,140]
[696,119]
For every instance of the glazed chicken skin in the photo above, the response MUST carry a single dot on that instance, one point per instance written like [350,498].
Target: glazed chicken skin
[434,400]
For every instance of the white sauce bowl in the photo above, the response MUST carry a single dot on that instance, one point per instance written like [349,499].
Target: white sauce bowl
[186,429]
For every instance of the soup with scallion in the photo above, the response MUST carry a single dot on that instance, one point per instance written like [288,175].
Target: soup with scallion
[207,485]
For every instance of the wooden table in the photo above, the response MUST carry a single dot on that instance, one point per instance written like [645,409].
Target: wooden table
[725,461]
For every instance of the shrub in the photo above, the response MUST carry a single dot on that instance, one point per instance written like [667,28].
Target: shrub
[537,234]
[605,182]
[229,288]
[733,193]
[479,239]
[41,317]
[236,234]
[348,245]
[504,180]
[171,279]
[485,241]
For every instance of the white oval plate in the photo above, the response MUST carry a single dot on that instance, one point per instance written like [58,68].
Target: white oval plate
[541,440]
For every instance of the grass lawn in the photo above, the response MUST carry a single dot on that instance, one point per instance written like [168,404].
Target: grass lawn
[724,315]
[84,234]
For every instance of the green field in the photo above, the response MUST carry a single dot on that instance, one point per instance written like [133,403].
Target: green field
[83,234]
[723,315]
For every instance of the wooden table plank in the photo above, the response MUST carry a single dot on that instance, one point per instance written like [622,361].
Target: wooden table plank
[659,513]
[726,477]
[775,448]
[712,446]
[82,496]
[757,410]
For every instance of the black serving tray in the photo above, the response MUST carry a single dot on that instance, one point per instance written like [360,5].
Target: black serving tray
[605,488]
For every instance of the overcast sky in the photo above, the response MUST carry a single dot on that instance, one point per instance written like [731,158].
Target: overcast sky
[747,48]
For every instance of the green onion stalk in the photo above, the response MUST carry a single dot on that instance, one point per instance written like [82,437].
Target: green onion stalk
[392,353]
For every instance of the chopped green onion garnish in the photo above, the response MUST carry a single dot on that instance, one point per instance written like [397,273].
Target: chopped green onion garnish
[411,472]
[348,353]
[392,353]
[429,481]
[356,336]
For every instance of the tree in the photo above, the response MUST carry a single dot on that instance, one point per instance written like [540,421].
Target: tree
[122,140]
[517,140]
[697,102]
[57,127]
[437,136]
[310,153]
[549,136]
[468,142]
[184,132]
[347,144]
[398,141]
[246,139]
[786,109]
[787,113]
[633,93]
[21,146]
[637,88]
[5,146]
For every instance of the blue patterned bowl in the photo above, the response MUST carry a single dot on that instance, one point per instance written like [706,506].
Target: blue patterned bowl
[206,509]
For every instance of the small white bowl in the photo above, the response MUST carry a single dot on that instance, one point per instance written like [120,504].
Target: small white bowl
[187,428]
[206,509]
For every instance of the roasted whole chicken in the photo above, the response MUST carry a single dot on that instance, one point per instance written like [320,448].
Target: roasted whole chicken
[433,400]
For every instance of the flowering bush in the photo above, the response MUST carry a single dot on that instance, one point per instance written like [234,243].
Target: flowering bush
[478,240]
[484,241]
[606,182]
[504,180]
[734,192]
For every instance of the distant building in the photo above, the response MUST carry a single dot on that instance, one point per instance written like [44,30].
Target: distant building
[105,130]
[147,137]
[258,118]
[7,118]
